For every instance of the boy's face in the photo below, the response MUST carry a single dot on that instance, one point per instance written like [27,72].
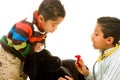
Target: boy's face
[99,42]
[50,25]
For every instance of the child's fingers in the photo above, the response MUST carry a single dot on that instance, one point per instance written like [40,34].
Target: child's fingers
[68,78]
[61,78]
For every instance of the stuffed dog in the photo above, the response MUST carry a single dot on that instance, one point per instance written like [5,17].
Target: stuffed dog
[45,66]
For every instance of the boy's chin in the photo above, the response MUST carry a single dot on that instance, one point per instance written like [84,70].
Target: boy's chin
[50,31]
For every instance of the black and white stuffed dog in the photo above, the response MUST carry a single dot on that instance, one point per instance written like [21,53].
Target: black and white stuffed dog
[45,66]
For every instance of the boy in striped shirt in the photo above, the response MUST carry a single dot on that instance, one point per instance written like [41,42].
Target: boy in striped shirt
[25,36]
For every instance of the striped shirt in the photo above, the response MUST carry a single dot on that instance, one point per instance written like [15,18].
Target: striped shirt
[108,68]
[22,37]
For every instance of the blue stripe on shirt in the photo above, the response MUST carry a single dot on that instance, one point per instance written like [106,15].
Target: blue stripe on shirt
[17,36]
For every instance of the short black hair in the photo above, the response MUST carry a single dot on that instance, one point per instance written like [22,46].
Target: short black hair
[51,9]
[110,27]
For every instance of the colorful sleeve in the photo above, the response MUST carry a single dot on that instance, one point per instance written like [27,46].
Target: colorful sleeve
[18,37]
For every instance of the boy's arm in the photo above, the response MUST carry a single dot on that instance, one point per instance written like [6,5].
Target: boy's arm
[90,76]
[18,37]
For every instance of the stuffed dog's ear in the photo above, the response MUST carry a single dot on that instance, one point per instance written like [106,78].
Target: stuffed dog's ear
[41,62]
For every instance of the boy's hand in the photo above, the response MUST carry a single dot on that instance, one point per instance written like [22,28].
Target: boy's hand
[38,47]
[66,78]
[82,68]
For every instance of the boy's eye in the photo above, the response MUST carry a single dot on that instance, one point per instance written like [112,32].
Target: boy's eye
[53,25]
[96,34]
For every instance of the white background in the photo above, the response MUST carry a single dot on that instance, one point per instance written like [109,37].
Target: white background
[73,34]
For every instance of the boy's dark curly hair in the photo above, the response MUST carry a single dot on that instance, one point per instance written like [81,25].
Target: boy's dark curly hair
[51,9]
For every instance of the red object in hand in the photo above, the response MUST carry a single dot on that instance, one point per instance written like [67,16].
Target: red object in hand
[78,59]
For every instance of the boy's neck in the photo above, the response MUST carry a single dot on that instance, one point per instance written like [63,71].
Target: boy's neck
[106,47]
[107,52]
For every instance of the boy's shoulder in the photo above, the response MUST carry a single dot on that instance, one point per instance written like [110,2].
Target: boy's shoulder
[25,22]
[25,25]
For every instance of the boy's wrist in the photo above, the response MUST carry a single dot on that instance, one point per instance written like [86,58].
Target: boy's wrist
[87,73]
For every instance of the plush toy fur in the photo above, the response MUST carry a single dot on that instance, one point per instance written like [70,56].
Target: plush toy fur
[45,66]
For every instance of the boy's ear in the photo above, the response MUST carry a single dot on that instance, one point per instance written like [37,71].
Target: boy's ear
[41,18]
[110,40]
